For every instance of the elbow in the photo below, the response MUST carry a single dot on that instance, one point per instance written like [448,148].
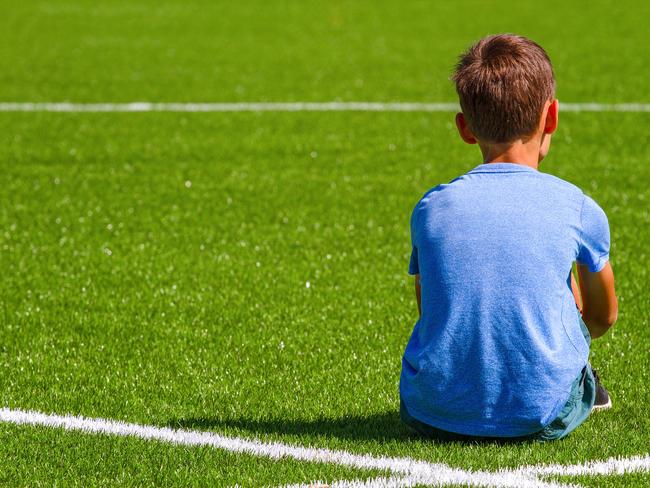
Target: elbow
[600,319]
[598,326]
[611,320]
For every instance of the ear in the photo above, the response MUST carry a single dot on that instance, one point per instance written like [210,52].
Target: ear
[552,115]
[464,131]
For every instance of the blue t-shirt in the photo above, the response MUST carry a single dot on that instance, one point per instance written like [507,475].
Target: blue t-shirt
[499,343]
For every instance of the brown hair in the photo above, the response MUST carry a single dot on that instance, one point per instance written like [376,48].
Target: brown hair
[502,82]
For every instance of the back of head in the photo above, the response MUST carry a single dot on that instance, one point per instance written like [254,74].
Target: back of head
[503,82]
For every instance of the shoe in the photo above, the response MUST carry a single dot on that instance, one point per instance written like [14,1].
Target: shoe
[603,401]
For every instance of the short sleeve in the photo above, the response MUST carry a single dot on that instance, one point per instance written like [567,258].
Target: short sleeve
[594,236]
[414,267]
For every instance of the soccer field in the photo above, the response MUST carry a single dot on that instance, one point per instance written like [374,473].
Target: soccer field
[242,274]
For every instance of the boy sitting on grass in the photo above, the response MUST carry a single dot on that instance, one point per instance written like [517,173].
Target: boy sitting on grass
[501,346]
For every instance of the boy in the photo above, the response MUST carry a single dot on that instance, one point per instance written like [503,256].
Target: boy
[500,349]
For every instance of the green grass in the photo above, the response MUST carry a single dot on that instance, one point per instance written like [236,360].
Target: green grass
[196,50]
[129,293]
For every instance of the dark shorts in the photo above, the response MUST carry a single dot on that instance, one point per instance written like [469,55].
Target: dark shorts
[575,411]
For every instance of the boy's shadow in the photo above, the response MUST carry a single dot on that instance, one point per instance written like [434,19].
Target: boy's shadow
[382,427]
[377,427]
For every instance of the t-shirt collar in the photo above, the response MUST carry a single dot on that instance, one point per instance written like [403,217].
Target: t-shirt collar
[501,168]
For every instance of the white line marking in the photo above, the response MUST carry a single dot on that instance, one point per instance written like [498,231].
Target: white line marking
[288,107]
[406,472]
[605,107]
[434,473]
[231,107]
[614,465]
[611,466]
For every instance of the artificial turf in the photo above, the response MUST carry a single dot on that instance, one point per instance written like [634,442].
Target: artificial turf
[246,273]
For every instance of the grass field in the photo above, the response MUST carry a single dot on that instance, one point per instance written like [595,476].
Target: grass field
[245,273]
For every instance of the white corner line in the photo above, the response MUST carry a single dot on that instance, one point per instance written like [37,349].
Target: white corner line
[405,471]
[411,469]
[287,107]
[608,467]
[229,107]
[611,466]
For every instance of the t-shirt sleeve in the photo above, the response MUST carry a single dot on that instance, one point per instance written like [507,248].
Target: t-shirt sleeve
[594,236]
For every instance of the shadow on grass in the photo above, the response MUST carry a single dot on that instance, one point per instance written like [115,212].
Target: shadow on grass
[377,427]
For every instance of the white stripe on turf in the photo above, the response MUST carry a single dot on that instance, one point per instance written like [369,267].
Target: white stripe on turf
[611,466]
[230,107]
[287,107]
[414,471]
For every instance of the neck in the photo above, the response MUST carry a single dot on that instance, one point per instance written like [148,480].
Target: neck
[519,152]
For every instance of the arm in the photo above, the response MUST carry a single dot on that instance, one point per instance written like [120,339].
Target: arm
[576,292]
[418,293]
[599,303]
